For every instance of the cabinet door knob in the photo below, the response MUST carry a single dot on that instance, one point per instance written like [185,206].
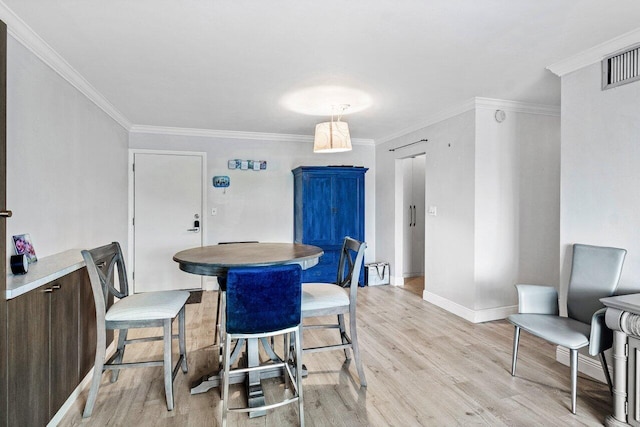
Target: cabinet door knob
[6,214]
[47,291]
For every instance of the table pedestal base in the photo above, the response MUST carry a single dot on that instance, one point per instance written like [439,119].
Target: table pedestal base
[255,394]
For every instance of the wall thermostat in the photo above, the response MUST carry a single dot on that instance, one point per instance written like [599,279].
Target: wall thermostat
[221,181]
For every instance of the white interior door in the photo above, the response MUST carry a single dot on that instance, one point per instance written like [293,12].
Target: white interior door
[418,190]
[407,217]
[413,170]
[167,202]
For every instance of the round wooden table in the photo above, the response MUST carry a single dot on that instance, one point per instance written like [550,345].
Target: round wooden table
[216,261]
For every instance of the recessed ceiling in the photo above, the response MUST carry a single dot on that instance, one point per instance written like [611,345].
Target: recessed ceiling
[228,64]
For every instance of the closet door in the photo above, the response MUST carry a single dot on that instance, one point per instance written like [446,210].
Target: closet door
[414,216]
[407,218]
[418,242]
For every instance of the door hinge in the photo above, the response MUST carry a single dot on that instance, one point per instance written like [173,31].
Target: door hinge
[626,408]
[133,222]
[133,276]
[133,166]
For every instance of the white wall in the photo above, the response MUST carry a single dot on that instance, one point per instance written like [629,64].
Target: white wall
[449,172]
[66,161]
[259,205]
[600,194]
[496,190]
[517,213]
[449,186]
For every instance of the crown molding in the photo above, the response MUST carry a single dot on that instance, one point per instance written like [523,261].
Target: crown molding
[595,54]
[477,103]
[230,134]
[516,106]
[23,34]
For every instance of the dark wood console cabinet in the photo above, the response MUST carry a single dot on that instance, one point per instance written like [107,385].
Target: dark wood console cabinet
[51,347]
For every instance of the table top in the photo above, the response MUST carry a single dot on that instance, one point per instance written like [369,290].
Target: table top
[217,259]
[629,302]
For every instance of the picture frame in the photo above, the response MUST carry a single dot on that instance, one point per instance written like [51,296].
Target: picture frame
[23,245]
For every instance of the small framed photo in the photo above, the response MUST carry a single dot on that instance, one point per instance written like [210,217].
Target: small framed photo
[22,244]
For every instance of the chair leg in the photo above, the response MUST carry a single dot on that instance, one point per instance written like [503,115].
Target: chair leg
[516,340]
[168,367]
[343,335]
[98,369]
[298,344]
[182,339]
[574,379]
[286,356]
[122,337]
[217,324]
[220,326]
[605,368]
[356,348]
[225,381]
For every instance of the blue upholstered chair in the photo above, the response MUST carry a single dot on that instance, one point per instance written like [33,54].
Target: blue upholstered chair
[595,273]
[222,285]
[339,298]
[263,302]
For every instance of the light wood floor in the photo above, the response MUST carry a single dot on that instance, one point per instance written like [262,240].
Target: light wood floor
[415,285]
[424,366]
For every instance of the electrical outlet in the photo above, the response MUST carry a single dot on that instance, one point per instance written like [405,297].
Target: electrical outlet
[214,211]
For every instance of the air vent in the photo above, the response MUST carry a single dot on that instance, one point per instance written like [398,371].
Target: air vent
[621,68]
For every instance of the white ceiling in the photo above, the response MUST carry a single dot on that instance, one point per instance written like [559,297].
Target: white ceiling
[230,64]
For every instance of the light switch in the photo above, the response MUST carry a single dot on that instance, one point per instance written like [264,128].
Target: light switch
[214,211]
[433,211]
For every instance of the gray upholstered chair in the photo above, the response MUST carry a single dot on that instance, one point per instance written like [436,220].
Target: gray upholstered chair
[595,273]
[262,302]
[144,310]
[324,299]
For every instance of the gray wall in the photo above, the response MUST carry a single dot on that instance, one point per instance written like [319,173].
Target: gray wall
[517,204]
[66,161]
[450,186]
[496,189]
[600,169]
[259,205]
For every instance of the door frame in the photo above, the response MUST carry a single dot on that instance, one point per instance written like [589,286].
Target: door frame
[203,222]
[400,216]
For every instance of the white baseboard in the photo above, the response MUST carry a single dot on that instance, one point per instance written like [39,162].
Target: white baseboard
[586,364]
[473,316]
[76,393]
[397,281]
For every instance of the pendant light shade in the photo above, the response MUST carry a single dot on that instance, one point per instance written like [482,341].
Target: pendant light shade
[332,137]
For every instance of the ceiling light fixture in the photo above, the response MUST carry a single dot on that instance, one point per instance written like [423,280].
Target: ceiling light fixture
[333,136]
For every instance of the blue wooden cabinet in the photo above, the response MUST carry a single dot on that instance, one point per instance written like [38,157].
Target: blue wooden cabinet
[328,205]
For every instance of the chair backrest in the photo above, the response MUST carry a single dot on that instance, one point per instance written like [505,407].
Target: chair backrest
[595,272]
[263,299]
[102,263]
[350,264]
[222,281]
